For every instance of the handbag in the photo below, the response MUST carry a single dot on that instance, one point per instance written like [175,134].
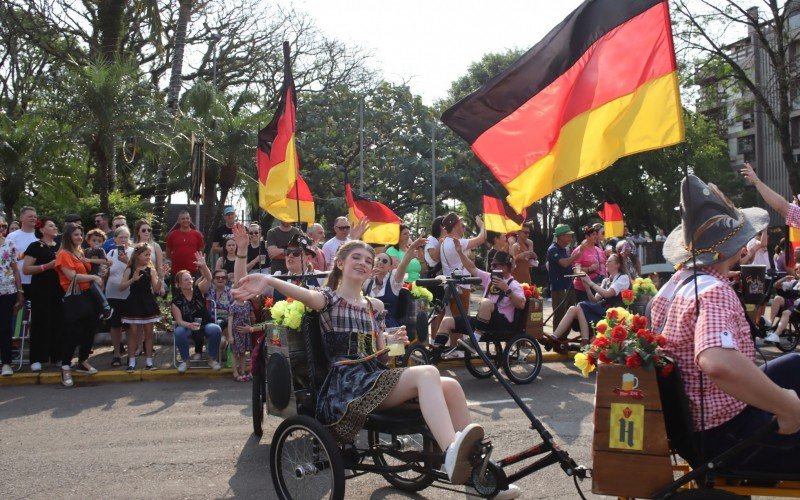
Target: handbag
[77,304]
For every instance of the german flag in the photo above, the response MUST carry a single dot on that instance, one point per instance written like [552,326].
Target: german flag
[298,206]
[276,155]
[603,84]
[497,215]
[612,220]
[384,225]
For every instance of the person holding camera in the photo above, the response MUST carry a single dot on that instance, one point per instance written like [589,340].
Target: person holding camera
[119,256]
[502,295]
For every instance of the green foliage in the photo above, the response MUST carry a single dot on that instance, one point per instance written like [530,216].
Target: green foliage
[131,206]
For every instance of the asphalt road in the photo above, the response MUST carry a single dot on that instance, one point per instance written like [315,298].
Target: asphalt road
[192,439]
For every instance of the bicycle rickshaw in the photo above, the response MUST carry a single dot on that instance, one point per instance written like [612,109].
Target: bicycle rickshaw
[306,462]
[516,351]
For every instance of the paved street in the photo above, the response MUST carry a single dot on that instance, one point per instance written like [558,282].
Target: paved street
[192,439]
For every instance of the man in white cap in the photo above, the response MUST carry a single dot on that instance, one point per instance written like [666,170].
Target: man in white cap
[709,337]
[224,232]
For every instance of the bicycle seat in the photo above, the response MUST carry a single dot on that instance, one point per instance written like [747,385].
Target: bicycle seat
[399,421]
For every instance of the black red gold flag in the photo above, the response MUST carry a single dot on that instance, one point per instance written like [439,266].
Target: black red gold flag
[276,155]
[299,206]
[384,225]
[612,220]
[603,84]
[497,215]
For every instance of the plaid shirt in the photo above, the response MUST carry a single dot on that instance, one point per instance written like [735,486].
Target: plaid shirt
[793,215]
[721,323]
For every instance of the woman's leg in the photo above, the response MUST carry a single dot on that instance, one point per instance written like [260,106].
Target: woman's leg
[148,339]
[424,382]
[134,340]
[584,325]
[566,322]
[456,403]
[784,322]
[6,313]
[777,303]
[181,340]
[116,339]
[214,334]
[86,331]
[69,341]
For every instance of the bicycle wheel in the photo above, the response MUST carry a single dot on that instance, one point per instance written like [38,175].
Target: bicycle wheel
[305,462]
[522,359]
[475,365]
[259,391]
[408,480]
[789,338]
[418,355]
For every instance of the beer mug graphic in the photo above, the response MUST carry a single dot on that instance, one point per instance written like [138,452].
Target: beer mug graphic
[629,382]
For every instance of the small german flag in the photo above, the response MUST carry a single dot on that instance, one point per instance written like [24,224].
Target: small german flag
[276,155]
[794,242]
[497,215]
[384,225]
[603,84]
[612,220]
[298,206]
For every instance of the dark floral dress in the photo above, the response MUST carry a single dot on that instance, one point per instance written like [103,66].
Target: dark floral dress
[351,391]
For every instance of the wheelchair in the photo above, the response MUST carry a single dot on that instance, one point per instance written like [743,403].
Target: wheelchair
[518,353]
[306,461]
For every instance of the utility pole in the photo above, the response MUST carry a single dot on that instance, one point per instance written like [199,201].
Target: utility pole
[433,171]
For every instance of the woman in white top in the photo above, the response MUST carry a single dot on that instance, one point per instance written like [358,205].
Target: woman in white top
[387,281]
[116,297]
[143,232]
[606,295]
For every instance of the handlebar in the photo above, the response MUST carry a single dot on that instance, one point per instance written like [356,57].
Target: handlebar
[454,278]
[302,277]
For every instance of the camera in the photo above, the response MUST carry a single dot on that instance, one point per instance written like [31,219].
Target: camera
[497,274]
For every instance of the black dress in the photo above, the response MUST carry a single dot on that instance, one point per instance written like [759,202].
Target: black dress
[46,306]
[141,307]
[351,391]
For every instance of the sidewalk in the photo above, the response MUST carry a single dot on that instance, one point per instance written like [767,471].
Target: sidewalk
[102,355]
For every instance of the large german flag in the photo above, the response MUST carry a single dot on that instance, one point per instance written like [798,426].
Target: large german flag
[612,220]
[298,205]
[603,84]
[497,215]
[276,155]
[384,225]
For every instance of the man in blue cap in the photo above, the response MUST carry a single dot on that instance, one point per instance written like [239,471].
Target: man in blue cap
[224,232]
[559,265]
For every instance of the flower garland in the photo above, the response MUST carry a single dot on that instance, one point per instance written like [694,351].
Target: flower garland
[419,292]
[288,313]
[644,286]
[623,339]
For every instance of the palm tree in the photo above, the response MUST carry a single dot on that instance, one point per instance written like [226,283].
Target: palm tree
[184,15]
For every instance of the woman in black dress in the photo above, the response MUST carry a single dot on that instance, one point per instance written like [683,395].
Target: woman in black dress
[46,294]
[358,382]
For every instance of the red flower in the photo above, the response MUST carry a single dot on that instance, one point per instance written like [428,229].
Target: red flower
[613,314]
[641,333]
[603,358]
[289,300]
[639,322]
[627,296]
[618,334]
[650,338]
[667,369]
[528,293]
[661,340]
[633,361]
[601,342]
[601,328]
[269,302]
[590,358]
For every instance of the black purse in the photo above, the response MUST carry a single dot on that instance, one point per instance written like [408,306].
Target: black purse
[77,304]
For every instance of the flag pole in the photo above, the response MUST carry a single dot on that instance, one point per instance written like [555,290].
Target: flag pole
[361,147]
[433,170]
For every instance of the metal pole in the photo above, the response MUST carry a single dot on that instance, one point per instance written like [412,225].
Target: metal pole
[433,172]
[361,147]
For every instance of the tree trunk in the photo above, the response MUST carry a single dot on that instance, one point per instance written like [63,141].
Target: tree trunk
[184,15]
[102,163]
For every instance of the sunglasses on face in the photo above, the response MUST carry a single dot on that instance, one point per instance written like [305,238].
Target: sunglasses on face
[343,228]
[145,230]
[220,278]
[253,233]
[294,253]
[382,260]
[117,226]
[3,226]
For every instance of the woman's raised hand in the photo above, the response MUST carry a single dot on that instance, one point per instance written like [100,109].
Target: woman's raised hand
[359,228]
[200,259]
[419,242]
[240,236]
[250,286]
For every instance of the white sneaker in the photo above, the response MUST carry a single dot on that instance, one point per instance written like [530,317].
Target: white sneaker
[513,491]
[66,377]
[772,337]
[7,371]
[214,365]
[453,353]
[36,367]
[456,458]
[182,367]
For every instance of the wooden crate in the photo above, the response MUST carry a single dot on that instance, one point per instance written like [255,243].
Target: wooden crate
[630,453]
[534,323]
[288,346]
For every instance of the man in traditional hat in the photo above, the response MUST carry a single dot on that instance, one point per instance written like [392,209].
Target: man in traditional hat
[729,397]
[559,265]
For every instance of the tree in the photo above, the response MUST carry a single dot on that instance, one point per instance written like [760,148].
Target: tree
[704,32]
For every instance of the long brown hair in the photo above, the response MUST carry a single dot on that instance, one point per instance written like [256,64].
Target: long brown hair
[66,239]
[623,268]
[138,250]
[336,274]
[139,224]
